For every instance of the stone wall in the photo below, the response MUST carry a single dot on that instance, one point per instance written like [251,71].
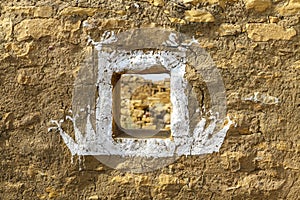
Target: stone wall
[255,45]
[145,103]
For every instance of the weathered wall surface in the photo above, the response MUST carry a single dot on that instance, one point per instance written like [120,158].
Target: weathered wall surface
[256,46]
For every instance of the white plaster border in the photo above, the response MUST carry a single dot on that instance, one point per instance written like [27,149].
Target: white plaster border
[139,61]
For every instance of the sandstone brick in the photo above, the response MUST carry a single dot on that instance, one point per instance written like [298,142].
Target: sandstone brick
[265,32]
[177,20]
[19,50]
[199,16]
[79,11]
[69,26]
[290,8]
[5,28]
[158,2]
[258,5]
[229,29]
[121,12]
[36,28]
[261,181]
[45,11]
[25,10]
[273,19]
[138,180]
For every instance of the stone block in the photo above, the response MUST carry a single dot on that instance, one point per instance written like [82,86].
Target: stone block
[266,32]
[79,11]
[36,28]
[158,2]
[5,28]
[44,11]
[21,10]
[229,29]
[199,16]
[290,8]
[258,5]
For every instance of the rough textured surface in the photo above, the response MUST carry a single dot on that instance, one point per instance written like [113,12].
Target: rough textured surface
[229,29]
[260,157]
[258,5]
[144,103]
[265,32]
[199,16]
[291,7]
[35,28]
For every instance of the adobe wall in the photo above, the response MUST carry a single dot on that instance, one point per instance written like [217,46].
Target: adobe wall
[254,43]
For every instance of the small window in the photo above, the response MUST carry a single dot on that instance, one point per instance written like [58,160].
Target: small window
[141,105]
